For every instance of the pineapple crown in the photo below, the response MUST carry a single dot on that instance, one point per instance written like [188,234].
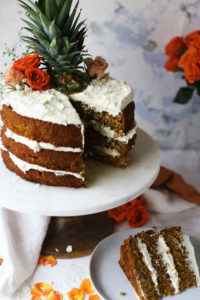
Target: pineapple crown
[58,36]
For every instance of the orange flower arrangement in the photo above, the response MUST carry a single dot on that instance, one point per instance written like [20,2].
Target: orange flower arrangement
[135,213]
[27,69]
[184,56]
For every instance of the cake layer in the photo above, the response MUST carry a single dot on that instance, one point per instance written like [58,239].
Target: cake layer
[41,175]
[107,94]
[51,159]
[121,123]
[50,106]
[42,131]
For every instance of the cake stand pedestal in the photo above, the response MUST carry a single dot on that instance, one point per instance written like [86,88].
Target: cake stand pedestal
[109,187]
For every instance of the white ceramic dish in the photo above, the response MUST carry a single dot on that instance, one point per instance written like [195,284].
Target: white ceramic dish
[109,279]
[108,186]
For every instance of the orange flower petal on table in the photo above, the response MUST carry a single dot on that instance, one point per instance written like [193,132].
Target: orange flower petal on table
[94,297]
[76,294]
[41,289]
[193,39]
[139,201]
[36,298]
[119,214]
[1,261]
[192,72]
[137,216]
[54,295]
[49,260]
[174,46]
[86,286]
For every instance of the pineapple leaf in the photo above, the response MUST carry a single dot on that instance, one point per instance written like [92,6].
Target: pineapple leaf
[34,29]
[51,6]
[54,30]
[45,22]
[54,46]
[30,11]
[62,14]
[69,22]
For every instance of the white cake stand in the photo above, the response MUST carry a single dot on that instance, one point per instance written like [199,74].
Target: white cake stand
[109,187]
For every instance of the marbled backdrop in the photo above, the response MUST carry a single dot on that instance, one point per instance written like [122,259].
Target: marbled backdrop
[131,35]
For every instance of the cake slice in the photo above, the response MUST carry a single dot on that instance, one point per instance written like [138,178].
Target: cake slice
[43,138]
[106,107]
[161,263]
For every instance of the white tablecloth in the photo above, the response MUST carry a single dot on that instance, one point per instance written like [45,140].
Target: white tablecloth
[69,273]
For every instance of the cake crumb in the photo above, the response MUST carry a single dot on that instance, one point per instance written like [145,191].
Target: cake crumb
[69,249]
[122,294]
[56,249]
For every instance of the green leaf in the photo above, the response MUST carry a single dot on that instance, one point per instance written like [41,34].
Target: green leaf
[30,11]
[62,14]
[45,22]
[70,20]
[35,30]
[54,31]
[184,95]
[54,46]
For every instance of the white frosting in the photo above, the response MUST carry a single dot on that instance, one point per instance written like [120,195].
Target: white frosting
[168,261]
[37,146]
[109,151]
[191,257]
[108,94]
[108,132]
[147,260]
[25,167]
[51,106]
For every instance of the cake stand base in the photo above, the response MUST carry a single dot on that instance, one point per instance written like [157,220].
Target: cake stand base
[73,237]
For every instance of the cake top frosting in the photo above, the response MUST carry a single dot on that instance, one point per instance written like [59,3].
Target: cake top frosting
[51,106]
[107,94]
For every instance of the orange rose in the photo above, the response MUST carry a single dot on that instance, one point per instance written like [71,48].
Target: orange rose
[137,216]
[192,55]
[97,67]
[119,214]
[37,79]
[193,39]
[192,72]
[172,63]
[28,61]
[13,77]
[174,46]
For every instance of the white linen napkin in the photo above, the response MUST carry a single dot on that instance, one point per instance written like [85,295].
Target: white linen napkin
[22,236]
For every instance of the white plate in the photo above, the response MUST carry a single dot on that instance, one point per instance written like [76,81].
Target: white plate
[108,186]
[109,279]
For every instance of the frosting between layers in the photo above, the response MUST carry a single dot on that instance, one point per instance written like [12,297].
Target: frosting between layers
[107,94]
[147,260]
[108,132]
[50,106]
[38,146]
[108,151]
[25,167]
[168,260]
[191,257]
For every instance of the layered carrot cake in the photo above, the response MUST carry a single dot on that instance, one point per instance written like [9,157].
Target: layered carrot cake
[43,137]
[161,263]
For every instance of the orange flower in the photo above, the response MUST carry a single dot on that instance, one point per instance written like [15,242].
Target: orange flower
[97,67]
[192,72]
[192,55]
[41,289]
[28,61]
[172,63]
[37,79]
[49,260]
[76,294]
[193,39]
[1,261]
[13,77]
[86,286]
[119,214]
[139,201]
[174,46]
[54,295]
[94,297]
[36,298]
[137,216]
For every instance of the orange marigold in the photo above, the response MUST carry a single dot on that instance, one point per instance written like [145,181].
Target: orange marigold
[172,63]
[174,46]
[192,55]
[28,61]
[193,39]
[192,72]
